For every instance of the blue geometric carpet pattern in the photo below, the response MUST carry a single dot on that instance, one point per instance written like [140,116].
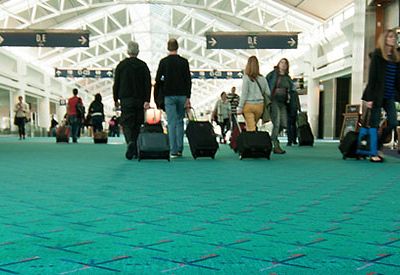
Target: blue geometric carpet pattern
[84,209]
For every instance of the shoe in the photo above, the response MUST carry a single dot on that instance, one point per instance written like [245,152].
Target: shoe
[131,151]
[376,159]
[295,142]
[279,151]
[289,144]
[174,156]
[179,154]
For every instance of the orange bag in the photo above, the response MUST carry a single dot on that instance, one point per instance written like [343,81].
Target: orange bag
[153,116]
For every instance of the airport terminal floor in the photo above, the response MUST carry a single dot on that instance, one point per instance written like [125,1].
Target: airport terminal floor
[83,208]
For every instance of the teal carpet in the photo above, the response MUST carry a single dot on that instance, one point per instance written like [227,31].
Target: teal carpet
[84,209]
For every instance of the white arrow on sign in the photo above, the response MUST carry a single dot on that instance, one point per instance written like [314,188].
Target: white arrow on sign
[58,73]
[109,73]
[1,39]
[212,42]
[292,42]
[83,40]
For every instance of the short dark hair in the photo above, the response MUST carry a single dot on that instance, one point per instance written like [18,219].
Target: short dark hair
[75,91]
[172,45]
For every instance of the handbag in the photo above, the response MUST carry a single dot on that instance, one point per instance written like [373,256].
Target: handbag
[266,115]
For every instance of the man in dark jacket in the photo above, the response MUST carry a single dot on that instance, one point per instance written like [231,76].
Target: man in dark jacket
[174,79]
[132,90]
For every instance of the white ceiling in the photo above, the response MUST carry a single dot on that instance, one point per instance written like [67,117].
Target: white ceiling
[112,23]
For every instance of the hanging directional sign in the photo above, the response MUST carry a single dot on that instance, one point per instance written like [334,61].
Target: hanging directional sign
[199,74]
[85,72]
[251,40]
[44,38]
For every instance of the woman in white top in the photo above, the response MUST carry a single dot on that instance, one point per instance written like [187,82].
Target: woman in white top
[21,115]
[254,88]
[222,115]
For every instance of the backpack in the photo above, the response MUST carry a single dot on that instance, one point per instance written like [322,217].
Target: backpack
[80,109]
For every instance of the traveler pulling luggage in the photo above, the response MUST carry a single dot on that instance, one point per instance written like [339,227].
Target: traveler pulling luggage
[152,143]
[201,137]
[253,144]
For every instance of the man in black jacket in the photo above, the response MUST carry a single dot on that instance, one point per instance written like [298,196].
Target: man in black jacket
[174,79]
[132,90]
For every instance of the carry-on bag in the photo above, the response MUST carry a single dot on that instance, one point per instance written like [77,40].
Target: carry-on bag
[348,145]
[63,133]
[100,137]
[201,137]
[237,129]
[152,143]
[305,135]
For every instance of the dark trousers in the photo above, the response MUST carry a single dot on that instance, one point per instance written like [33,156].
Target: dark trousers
[131,120]
[21,126]
[97,122]
[390,108]
[225,127]
[292,129]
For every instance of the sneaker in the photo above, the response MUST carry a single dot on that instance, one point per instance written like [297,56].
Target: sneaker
[131,151]
[179,154]
[174,156]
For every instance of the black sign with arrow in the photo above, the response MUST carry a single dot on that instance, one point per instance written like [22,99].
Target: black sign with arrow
[44,38]
[252,40]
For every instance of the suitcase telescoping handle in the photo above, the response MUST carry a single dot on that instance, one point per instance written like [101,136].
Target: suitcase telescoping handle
[190,113]
[237,123]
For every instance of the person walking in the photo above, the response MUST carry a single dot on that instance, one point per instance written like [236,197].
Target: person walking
[21,116]
[74,114]
[233,99]
[174,79]
[96,113]
[131,92]
[383,87]
[282,87]
[222,113]
[254,88]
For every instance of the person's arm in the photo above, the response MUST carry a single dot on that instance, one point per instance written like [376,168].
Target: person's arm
[188,78]
[116,86]
[369,92]
[245,92]
[147,88]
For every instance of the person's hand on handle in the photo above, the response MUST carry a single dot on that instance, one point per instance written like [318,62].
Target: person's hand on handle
[369,104]
[187,103]
[146,105]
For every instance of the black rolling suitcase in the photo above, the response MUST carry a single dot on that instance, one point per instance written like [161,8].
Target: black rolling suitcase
[202,139]
[348,145]
[305,135]
[100,137]
[254,145]
[152,143]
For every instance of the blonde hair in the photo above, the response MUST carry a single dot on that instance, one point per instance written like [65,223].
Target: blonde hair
[381,43]
[252,68]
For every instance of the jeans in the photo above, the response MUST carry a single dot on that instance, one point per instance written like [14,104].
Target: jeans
[175,109]
[390,108]
[75,126]
[279,118]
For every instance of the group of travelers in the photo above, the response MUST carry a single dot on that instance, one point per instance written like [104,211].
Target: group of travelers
[274,94]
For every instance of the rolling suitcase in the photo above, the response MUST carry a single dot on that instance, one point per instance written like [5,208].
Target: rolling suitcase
[254,145]
[348,145]
[234,135]
[152,143]
[100,137]
[202,139]
[63,133]
[305,135]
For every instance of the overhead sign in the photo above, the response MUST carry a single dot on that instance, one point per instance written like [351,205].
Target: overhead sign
[44,38]
[197,74]
[85,72]
[251,40]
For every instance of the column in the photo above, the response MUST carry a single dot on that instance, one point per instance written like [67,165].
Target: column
[357,74]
